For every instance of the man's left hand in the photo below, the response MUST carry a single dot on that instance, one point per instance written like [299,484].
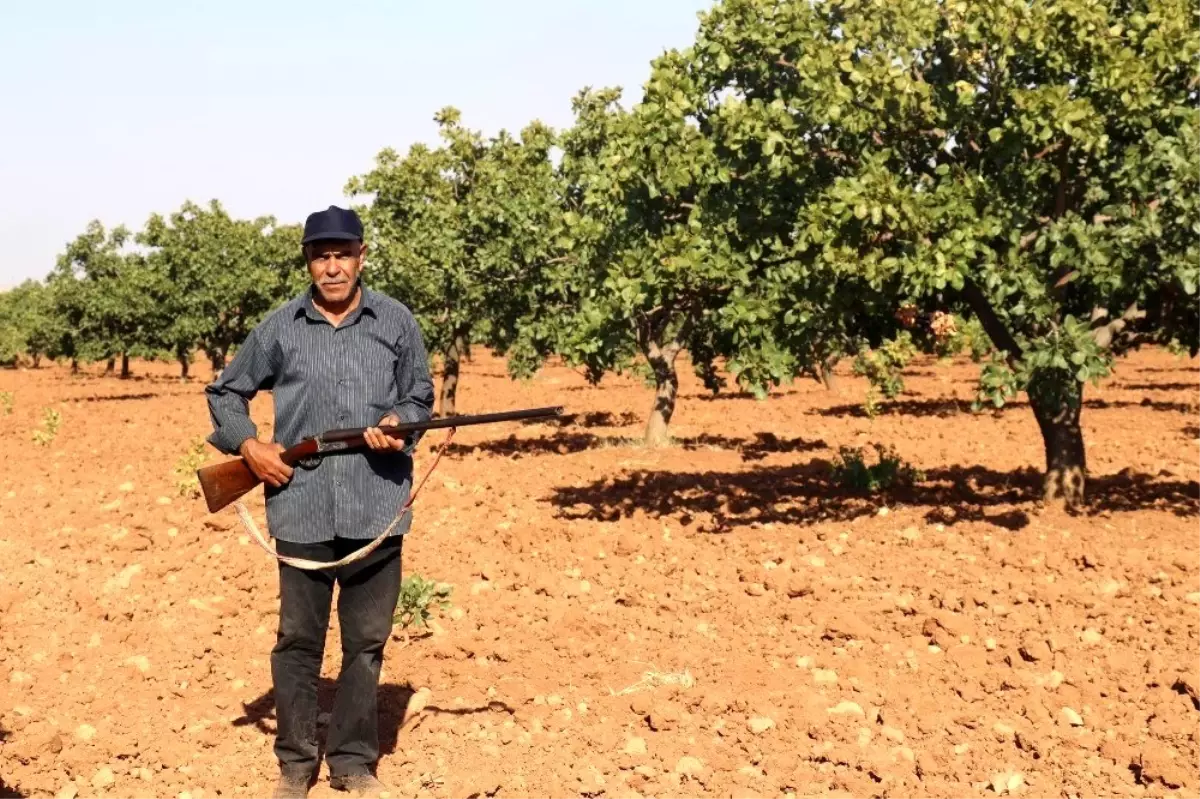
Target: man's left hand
[376,439]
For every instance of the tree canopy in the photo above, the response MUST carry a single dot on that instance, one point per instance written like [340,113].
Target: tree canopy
[217,277]
[460,233]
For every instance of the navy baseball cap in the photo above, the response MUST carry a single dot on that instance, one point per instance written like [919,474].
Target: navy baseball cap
[332,223]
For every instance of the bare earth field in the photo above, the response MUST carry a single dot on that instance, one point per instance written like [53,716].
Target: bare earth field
[712,619]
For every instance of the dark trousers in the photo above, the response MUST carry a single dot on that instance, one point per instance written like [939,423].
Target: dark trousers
[366,602]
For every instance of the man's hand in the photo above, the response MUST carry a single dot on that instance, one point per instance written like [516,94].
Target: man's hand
[376,439]
[263,460]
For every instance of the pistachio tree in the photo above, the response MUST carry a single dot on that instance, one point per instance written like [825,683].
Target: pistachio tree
[104,294]
[460,233]
[29,327]
[643,272]
[1031,165]
[12,329]
[215,277]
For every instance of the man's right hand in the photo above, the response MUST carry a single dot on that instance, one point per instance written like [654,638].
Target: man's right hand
[263,460]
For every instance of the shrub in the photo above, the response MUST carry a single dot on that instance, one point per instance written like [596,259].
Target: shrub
[853,473]
[417,595]
[185,470]
[51,419]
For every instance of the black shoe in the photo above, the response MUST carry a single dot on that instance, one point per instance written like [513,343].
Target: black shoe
[360,785]
[291,786]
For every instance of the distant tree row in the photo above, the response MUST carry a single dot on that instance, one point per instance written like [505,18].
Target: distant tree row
[806,182]
[197,281]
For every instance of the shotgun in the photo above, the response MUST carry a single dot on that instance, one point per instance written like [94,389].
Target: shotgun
[223,483]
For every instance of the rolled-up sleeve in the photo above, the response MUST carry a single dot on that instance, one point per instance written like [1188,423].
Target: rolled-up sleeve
[413,383]
[229,396]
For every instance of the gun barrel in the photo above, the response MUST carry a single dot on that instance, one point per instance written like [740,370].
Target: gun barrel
[450,421]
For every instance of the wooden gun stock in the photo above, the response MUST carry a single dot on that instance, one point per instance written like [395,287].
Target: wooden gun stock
[224,483]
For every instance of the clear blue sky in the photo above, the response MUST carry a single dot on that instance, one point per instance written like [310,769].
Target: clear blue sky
[114,110]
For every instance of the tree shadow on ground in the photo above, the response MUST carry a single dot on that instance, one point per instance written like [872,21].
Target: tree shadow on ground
[1158,386]
[591,419]
[174,380]
[951,407]
[564,443]
[754,449]
[728,396]
[393,704]
[118,397]
[1191,431]
[6,790]
[561,443]
[807,493]
[914,407]
[1161,369]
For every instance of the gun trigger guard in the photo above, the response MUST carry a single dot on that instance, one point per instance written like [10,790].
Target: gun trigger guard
[311,462]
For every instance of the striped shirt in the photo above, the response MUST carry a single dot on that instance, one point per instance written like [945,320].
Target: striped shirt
[323,378]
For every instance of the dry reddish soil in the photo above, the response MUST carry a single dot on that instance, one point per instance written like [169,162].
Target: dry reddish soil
[712,619]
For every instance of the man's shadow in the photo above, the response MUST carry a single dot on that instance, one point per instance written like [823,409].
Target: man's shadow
[393,703]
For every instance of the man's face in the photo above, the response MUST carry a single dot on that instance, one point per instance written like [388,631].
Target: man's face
[334,267]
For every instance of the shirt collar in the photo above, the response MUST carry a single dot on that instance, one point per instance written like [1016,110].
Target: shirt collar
[367,303]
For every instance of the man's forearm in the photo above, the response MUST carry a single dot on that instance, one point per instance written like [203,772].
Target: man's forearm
[413,411]
[232,425]
[229,396]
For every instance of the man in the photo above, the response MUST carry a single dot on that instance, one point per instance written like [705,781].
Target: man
[338,355]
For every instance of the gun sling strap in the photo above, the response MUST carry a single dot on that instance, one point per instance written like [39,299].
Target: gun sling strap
[358,554]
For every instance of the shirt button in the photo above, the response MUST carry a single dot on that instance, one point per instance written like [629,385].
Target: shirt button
[342,382]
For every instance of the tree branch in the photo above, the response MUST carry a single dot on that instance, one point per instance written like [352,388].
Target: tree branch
[1049,148]
[1060,194]
[1059,278]
[992,325]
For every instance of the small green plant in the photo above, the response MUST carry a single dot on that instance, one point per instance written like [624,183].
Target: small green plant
[417,596]
[51,419]
[883,366]
[6,402]
[871,403]
[853,473]
[185,470]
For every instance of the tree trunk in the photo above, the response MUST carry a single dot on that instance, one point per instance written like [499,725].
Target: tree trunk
[451,359]
[74,366]
[666,386]
[111,366]
[124,366]
[826,374]
[185,362]
[217,358]
[1066,467]
[37,360]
